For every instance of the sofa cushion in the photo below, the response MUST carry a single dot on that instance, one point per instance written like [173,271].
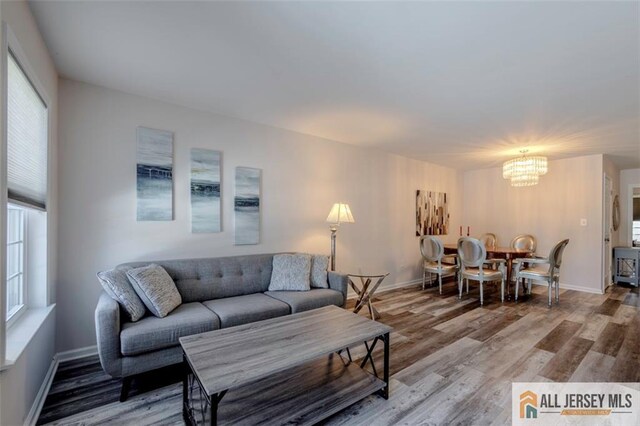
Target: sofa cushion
[301,301]
[116,284]
[291,272]
[319,266]
[244,309]
[214,278]
[152,333]
[156,289]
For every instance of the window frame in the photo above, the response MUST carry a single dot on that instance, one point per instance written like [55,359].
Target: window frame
[10,320]
[11,46]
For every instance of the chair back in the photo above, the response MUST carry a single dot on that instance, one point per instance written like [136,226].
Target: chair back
[472,252]
[431,248]
[524,242]
[489,240]
[555,256]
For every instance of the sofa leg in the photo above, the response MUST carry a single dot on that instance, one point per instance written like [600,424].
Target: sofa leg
[126,385]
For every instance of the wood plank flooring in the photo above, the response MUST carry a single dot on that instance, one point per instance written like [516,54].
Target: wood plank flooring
[451,361]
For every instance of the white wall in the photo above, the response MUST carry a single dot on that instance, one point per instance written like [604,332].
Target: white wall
[20,383]
[551,211]
[302,177]
[628,179]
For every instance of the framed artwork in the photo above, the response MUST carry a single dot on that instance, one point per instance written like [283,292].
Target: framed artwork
[154,174]
[246,205]
[432,213]
[205,190]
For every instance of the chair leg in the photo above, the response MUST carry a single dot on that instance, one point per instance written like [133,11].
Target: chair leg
[557,291]
[126,385]
[459,287]
[502,290]
[481,297]
[517,287]
[424,278]
[467,285]
[550,285]
[440,282]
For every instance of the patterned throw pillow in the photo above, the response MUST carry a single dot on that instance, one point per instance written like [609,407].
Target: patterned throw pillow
[319,266]
[116,283]
[156,289]
[291,272]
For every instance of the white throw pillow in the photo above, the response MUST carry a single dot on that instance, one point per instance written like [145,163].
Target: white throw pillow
[156,289]
[319,266]
[291,272]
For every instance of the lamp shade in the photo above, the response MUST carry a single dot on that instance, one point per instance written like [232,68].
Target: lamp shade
[340,213]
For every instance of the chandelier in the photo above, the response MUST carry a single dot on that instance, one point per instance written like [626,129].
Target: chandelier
[525,170]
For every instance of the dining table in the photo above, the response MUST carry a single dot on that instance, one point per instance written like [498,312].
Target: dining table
[506,253]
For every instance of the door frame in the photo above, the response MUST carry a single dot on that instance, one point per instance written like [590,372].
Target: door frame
[607,183]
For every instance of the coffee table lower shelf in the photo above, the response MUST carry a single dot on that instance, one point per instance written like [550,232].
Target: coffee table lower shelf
[303,395]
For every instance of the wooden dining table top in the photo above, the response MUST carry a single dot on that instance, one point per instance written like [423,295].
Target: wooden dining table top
[495,250]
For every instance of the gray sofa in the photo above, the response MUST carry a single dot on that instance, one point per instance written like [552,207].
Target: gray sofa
[216,293]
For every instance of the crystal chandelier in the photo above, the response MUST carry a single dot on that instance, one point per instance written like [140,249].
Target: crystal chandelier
[525,170]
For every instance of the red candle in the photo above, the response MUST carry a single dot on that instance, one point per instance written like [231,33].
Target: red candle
[467,231]
[461,230]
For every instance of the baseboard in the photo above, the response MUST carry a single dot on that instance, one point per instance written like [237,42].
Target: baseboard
[77,353]
[393,286]
[575,288]
[38,403]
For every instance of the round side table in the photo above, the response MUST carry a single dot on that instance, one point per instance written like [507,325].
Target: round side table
[366,292]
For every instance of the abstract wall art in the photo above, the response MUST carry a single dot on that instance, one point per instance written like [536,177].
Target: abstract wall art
[246,206]
[154,171]
[205,190]
[432,213]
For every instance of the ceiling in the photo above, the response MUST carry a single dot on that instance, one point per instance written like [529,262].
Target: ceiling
[466,85]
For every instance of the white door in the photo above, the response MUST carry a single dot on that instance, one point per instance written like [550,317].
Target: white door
[608,197]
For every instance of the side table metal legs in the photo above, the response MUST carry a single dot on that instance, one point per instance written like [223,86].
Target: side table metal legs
[365,294]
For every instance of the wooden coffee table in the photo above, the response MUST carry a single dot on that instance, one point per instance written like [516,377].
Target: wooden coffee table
[282,370]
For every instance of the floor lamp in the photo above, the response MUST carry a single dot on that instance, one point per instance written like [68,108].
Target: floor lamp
[340,213]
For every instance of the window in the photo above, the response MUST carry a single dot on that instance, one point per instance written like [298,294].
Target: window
[15,261]
[27,129]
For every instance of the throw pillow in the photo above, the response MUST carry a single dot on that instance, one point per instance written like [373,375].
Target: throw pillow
[319,266]
[156,289]
[290,272]
[116,283]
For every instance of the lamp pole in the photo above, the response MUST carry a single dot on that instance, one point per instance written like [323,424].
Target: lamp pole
[334,229]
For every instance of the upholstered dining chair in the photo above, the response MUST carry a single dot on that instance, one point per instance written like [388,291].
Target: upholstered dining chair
[524,242]
[542,269]
[489,240]
[433,256]
[473,258]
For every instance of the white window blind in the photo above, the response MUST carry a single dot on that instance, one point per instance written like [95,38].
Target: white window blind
[27,134]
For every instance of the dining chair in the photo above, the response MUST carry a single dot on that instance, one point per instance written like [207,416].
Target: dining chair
[543,269]
[473,258]
[524,242]
[432,252]
[489,240]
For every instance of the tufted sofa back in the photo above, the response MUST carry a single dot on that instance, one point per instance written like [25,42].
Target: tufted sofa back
[214,278]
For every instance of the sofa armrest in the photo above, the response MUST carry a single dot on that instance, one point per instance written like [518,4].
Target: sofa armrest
[107,316]
[339,282]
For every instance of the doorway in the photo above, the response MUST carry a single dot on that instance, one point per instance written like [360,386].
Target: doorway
[606,249]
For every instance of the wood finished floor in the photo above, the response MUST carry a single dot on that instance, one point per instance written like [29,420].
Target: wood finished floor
[452,362]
